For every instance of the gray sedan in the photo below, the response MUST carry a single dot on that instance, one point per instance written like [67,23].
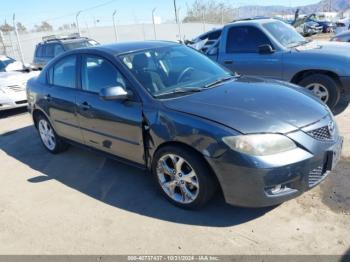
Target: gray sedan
[167,108]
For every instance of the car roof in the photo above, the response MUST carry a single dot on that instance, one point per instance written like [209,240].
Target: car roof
[129,47]
[249,21]
[65,41]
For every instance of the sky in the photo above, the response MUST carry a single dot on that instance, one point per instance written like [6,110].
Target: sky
[58,12]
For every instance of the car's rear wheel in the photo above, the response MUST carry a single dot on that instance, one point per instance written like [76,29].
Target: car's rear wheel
[51,141]
[323,87]
[183,177]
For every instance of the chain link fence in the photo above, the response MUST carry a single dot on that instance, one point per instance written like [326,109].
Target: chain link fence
[104,35]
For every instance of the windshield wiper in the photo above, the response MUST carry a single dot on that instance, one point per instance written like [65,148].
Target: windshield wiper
[299,43]
[218,81]
[181,90]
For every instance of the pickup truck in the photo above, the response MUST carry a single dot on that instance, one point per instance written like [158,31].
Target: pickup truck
[273,49]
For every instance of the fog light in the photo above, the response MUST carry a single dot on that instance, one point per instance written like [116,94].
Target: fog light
[276,189]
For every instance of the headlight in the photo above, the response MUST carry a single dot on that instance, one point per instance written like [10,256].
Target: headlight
[260,144]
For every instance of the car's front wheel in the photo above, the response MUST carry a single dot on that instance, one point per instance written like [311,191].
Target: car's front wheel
[183,177]
[48,136]
[324,87]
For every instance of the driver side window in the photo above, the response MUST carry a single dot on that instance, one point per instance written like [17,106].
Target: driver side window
[245,39]
[98,73]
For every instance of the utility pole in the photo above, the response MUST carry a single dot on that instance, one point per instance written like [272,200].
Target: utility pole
[177,20]
[17,37]
[154,24]
[115,26]
[179,24]
[77,21]
[222,15]
[175,10]
[203,20]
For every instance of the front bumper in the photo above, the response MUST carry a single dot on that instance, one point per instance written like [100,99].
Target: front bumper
[345,83]
[254,181]
[13,100]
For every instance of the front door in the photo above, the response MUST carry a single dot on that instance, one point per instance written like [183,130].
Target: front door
[112,126]
[242,53]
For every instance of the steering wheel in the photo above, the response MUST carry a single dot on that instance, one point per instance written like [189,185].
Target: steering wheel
[184,73]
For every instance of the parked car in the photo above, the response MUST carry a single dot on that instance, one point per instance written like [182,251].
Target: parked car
[165,107]
[53,45]
[342,37]
[310,28]
[342,25]
[13,79]
[327,26]
[273,49]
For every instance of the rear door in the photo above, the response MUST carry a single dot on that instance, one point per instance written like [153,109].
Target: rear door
[61,98]
[240,53]
[111,126]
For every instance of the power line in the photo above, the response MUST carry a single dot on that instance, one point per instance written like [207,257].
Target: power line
[74,13]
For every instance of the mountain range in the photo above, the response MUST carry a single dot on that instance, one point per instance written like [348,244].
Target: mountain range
[322,6]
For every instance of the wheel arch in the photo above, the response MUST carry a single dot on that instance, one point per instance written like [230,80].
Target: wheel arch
[187,147]
[36,113]
[305,73]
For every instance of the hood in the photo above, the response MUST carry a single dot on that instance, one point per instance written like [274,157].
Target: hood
[16,78]
[329,48]
[253,105]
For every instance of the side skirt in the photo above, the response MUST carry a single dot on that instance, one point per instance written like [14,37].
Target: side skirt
[105,154]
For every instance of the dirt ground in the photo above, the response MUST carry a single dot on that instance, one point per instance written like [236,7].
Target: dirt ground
[81,203]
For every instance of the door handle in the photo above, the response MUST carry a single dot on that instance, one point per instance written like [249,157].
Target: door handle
[228,62]
[85,106]
[48,97]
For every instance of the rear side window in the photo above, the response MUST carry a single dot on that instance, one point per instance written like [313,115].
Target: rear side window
[39,51]
[245,39]
[98,73]
[49,51]
[63,72]
[58,49]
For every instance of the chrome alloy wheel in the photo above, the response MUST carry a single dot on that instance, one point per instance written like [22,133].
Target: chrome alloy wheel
[46,134]
[177,178]
[320,91]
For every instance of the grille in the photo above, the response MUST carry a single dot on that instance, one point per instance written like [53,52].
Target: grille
[16,88]
[321,134]
[316,176]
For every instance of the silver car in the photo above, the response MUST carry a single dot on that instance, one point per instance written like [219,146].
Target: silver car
[342,37]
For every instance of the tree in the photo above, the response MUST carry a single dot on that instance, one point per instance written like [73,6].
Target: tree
[213,12]
[44,27]
[21,28]
[6,28]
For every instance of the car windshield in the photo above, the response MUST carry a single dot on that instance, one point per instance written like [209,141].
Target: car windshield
[80,44]
[285,34]
[174,70]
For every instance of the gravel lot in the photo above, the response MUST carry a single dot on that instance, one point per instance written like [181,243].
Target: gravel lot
[81,203]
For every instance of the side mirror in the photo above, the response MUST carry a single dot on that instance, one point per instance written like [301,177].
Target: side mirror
[114,93]
[265,49]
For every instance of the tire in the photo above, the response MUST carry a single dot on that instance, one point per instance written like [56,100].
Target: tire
[323,82]
[54,145]
[189,192]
